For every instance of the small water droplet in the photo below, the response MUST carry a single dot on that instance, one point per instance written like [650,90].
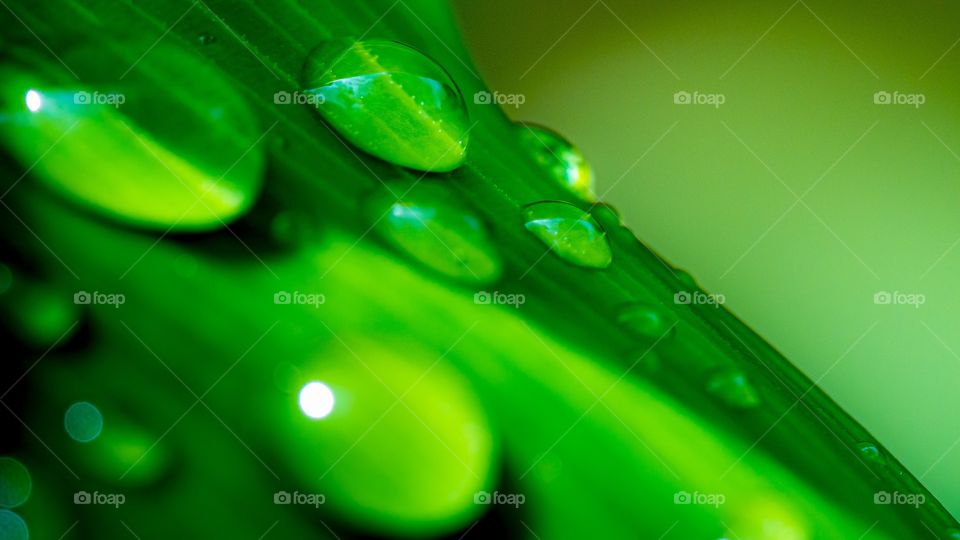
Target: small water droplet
[686,279]
[563,161]
[871,453]
[391,101]
[164,156]
[733,388]
[434,227]
[15,483]
[644,321]
[207,39]
[569,232]
[12,526]
[83,422]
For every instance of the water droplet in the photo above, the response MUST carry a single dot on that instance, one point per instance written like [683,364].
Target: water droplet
[391,101]
[733,388]
[433,226]
[562,161]
[686,279]
[569,232]
[140,150]
[15,483]
[871,453]
[83,422]
[644,321]
[207,39]
[12,526]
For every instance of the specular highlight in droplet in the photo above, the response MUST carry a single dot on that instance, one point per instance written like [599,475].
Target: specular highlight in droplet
[15,483]
[569,232]
[83,422]
[871,453]
[391,101]
[562,161]
[428,222]
[140,149]
[733,388]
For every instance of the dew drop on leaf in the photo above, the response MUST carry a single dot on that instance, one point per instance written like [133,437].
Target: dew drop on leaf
[733,388]
[129,144]
[562,161]
[430,224]
[644,321]
[389,100]
[871,453]
[569,232]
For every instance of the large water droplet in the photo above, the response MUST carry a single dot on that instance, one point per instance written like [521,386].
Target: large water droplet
[733,388]
[83,422]
[391,101]
[644,320]
[151,147]
[562,161]
[15,483]
[433,226]
[569,232]
[12,526]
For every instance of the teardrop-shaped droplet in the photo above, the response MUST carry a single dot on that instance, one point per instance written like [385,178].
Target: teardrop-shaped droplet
[149,146]
[15,483]
[733,388]
[207,39]
[569,232]
[561,160]
[83,422]
[12,526]
[645,321]
[430,223]
[871,453]
[390,100]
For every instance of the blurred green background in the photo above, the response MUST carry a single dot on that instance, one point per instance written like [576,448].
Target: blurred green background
[715,189]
